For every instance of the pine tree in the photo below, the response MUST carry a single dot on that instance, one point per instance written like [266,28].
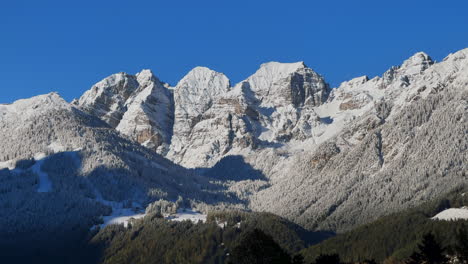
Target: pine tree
[369,261]
[298,259]
[461,248]
[328,259]
[430,252]
[257,247]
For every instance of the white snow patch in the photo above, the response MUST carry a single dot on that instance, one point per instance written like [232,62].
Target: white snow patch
[221,224]
[452,214]
[56,147]
[9,164]
[121,216]
[187,214]
[45,185]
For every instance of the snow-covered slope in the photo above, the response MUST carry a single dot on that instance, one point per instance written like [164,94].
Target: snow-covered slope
[64,170]
[390,146]
[452,214]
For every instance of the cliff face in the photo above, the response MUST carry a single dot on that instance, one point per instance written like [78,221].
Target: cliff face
[140,107]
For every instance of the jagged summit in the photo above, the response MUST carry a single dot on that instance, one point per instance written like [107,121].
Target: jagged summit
[278,84]
[280,69]
[138,106]
[271,72]
[416,64]
[202,79]
[145,75]
[106,99]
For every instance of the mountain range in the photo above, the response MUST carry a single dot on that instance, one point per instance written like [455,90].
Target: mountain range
[282,141]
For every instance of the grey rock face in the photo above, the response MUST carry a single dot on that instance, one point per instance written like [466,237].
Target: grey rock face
[194,95]
[205,118]
[140,107]
[213,119]
[281,84]
[107,98]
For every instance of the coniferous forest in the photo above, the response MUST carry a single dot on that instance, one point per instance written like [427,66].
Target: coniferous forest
[241,237]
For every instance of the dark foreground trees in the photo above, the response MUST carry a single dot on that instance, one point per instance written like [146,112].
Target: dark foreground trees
[328,259]
[429,252]
[461,247]
[256,247]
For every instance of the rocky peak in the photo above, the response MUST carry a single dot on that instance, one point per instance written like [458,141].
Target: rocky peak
[195,93]
[150,114]
[416,64]
[271,72]
[203,81]
[411,67]
[145,75]
[106,99]
[354,83]
[138,106]
[193,96]
[279,84]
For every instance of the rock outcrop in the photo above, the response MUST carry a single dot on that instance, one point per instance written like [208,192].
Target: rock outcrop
[140,107]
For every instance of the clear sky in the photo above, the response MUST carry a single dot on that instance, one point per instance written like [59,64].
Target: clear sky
[67,46]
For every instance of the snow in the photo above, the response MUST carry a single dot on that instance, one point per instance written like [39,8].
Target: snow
[452,214]
[416,63]
[221,224]
[99,89]
[45,184]
[271,72]
[121,215]
[224,224]
[9,164]
[56,147]
[28,108]
[193,96]
[187,214]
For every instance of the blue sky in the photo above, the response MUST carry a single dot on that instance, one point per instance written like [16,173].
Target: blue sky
[67,46]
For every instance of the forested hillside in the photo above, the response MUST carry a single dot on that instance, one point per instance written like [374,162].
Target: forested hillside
[396,236]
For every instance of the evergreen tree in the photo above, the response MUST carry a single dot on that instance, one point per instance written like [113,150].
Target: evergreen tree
[461,248]
[328,259]
[298,259]
[430,252]
[256,247]
[369,261]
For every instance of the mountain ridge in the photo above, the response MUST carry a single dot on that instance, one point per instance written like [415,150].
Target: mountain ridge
[327,159]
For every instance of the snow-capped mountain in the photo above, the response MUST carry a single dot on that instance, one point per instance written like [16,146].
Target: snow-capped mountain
[392,142]
[211,118]
[280,141]
[139,106]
